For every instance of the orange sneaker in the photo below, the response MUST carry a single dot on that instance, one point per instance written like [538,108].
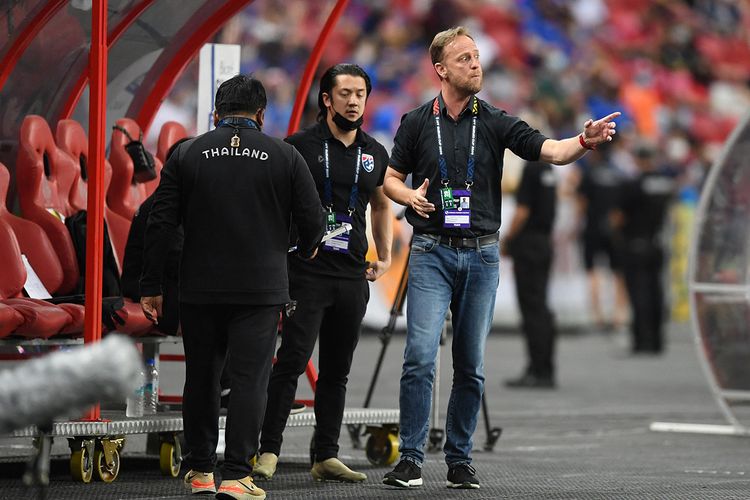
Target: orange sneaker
[240,489]
[200,482]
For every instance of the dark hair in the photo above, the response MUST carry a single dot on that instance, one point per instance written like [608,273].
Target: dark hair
[173,147]
[329,77]
[241,93]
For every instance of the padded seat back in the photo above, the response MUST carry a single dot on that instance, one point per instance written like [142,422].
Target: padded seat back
[125,195]
[72,139]
[32,241]
[45,176]
[170,133]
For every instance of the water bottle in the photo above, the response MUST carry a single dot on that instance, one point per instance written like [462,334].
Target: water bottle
[134,403]
[151,392]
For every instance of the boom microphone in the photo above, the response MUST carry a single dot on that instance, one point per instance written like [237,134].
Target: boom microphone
[66,383]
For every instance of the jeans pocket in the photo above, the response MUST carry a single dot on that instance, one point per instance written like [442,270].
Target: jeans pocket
[490,254]
[422,244]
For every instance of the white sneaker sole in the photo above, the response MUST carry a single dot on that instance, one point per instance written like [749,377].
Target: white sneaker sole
[411,483]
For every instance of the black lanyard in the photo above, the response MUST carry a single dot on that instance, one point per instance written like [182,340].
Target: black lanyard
[328,187]
[441,157]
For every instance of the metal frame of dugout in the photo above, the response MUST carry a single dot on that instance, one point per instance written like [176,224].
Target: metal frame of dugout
[95,446]
[719,287]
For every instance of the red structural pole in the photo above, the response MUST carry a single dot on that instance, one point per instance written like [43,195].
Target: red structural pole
[312,65]
[95,207]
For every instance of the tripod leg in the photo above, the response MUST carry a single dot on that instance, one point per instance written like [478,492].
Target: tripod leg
[493,434]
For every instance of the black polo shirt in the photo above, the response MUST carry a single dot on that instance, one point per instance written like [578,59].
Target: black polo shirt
[645,202]
[415,151]
[343,163]
[538,192]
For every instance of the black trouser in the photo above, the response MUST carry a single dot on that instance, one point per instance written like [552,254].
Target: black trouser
[210,333]
[331,308]
[643,264]
[532,260]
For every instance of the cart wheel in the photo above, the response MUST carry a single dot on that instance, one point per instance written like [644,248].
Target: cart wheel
[107,472]
[81,466]
[170,458]
[382,447]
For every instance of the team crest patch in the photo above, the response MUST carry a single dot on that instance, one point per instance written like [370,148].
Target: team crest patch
[368,162]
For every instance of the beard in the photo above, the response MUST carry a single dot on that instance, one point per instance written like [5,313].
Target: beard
[465,84]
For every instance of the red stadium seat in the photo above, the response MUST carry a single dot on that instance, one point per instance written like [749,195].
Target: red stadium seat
[33,242]
[72,139]
[125,195]
[40,320]
[170,133]
[45,176]
[10,319]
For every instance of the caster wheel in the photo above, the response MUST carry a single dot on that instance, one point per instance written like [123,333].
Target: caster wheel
[81,465]
[170,458]
[382,448]
[107,472]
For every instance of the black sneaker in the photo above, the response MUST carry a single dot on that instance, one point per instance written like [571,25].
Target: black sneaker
[406,474]
[462,476]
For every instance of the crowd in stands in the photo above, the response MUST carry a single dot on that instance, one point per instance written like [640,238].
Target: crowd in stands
[678,69]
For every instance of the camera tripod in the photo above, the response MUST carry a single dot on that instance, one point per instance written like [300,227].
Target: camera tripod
[436,434]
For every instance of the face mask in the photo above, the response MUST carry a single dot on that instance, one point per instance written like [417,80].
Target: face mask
[346,124]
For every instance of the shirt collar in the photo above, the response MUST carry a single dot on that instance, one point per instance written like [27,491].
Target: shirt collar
[466,111]
[324,132]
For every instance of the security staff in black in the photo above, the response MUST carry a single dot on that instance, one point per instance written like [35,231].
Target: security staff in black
[641,212]
[235,191]
[331,291]
[529,243]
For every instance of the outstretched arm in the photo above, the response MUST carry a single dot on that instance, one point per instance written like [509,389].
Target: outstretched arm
[564,151]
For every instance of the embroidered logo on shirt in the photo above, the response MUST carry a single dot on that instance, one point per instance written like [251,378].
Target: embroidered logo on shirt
[368,162]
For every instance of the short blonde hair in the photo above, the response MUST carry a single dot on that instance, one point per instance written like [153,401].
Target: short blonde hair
[444,38]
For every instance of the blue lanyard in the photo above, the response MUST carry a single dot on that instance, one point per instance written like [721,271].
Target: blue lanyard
[328,187]
[442,163]
[233,121]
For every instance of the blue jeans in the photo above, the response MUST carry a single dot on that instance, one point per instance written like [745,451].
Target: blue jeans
[465,279]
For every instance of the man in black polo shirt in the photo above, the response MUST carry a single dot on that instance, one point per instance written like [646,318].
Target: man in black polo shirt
[529,242]
[453,148]
[235,190]
[332,291]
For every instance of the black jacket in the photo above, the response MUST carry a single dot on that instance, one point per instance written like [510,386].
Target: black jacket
[236,205]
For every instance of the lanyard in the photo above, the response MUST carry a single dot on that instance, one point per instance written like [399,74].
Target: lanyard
[472,149]
[233,121]
[328,188]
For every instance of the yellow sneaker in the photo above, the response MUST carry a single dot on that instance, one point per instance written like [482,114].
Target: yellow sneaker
[240,489]
[266,466]
[199,482]
[333,469]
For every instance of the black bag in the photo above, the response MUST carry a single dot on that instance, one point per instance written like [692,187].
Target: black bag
[144,169]
[76,225]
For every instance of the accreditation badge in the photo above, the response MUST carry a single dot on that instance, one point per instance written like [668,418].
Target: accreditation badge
[460,215]
[339,243]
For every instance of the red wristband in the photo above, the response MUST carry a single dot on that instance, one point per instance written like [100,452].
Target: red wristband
[583,143]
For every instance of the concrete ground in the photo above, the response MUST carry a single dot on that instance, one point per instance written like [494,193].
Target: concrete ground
[589,439]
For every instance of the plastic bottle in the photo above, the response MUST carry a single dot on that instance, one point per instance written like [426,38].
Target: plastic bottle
[134,403]
[151,388]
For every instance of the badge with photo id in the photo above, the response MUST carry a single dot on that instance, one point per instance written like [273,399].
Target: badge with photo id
[459,215]
[339,243]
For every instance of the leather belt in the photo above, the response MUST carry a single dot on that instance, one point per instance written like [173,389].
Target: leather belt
[457,242]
